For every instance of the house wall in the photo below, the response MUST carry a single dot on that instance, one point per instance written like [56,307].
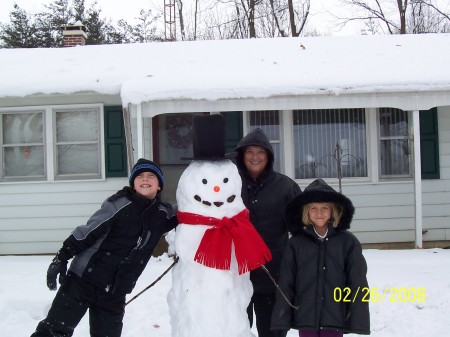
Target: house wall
[436,193]
[385,210]
[35,218]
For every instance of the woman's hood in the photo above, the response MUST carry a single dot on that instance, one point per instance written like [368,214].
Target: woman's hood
[256,137]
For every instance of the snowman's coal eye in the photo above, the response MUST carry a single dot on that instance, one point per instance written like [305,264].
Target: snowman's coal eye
[204,181]
[225,180]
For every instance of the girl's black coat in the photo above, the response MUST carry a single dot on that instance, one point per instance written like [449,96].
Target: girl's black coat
[113,248]
[325,279]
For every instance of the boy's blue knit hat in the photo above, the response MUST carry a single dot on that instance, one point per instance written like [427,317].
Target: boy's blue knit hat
[145,165]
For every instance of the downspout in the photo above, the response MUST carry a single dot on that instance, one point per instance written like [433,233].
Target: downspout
[417,178]
[140,131]
[128,138]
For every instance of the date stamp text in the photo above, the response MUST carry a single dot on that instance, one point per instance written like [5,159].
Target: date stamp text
[377,295]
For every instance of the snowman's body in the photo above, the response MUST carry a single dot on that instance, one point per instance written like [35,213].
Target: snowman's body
[204,301]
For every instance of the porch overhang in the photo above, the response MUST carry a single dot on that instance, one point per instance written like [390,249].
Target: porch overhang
[324,99]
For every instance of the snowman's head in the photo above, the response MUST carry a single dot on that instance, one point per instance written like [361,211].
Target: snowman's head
[210,188]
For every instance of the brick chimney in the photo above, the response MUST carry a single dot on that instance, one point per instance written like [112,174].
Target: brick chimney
[74,35]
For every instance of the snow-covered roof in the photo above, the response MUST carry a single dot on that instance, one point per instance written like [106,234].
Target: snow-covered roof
[233,69]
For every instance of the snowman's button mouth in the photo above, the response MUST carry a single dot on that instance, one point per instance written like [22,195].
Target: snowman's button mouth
[231,199]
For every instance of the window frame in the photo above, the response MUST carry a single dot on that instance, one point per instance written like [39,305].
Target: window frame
[286,155]
[10,111]
[395,177]
[77,176]
[337,113]
[279,158]
[50,153]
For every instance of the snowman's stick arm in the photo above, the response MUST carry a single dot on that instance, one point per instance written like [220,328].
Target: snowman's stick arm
[278,288]
[153,283]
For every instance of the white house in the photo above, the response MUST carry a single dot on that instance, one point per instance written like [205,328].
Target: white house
[382,103]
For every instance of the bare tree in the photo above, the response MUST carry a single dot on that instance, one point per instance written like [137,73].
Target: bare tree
[240,19]
[297,13]
[426,18]
[398,17]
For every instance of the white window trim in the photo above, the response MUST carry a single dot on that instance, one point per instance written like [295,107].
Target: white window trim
[373,144]
[372,148]
[287,143]
[50,140]
[392,178]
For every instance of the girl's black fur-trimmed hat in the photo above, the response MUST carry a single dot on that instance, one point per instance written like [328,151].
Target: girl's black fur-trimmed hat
[319,191]
[208,132]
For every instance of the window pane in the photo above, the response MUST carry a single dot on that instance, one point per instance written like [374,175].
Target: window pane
[76,126]
[23,145]
[324,137]
[269,122]
[77,142]
[394,142]
[175,138]
[22,128]
[78,159]
[393,123]
[394,157]
[24,161]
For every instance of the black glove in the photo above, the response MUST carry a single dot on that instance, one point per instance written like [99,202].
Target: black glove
[58,266]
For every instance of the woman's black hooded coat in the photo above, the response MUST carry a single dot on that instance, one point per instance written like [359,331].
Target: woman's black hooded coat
[317,274]
[266,199]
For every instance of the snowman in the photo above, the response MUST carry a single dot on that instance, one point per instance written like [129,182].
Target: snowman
[215,242]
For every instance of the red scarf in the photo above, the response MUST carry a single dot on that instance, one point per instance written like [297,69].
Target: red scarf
[215,247]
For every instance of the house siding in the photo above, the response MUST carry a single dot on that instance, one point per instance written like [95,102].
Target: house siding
[385,212]
[36,217]
[436,193]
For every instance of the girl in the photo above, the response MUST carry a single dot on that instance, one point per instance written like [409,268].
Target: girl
[323,270]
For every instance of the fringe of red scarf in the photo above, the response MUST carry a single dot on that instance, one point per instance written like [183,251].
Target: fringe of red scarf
[214,250]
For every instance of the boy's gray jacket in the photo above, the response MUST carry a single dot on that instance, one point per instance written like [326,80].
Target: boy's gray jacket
[113,248]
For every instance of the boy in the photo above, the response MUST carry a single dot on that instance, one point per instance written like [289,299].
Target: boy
[109,254]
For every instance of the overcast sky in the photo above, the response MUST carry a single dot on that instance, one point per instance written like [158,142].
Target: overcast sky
[114,9]
[320,18]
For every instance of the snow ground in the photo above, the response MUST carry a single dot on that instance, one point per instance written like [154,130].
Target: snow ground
[423,311]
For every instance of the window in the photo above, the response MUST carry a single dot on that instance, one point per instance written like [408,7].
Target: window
[394,143]
[77,143]
[23,149]
[51,143]
[173,138]
[325,137]
[269,122]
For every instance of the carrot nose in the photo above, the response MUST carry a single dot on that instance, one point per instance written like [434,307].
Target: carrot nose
[216,188]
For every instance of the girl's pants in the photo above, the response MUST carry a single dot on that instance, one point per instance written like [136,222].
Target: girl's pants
[71,302]
[320,333]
